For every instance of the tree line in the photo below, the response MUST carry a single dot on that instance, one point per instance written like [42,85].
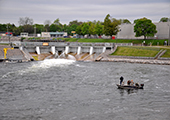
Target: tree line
[109,27]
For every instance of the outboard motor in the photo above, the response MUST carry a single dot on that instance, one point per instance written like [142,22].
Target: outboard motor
[142,85]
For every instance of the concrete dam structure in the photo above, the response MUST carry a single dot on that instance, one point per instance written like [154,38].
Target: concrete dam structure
[78,51]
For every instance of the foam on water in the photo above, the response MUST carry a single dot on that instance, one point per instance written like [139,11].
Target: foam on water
[47,63]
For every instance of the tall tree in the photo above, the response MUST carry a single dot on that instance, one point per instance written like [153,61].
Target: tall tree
[107,23]
[26,24]
[135,21]
[58,26]
[144,27]
[53,28]
[164,19]
[57,22]
[111,26]
[125,21]
[65,28]
[75,22]
[71,28]
[7,27]
[91,28]
[39,28]
[25,21]
[47,25]
[78,30]
[99,29]
[85,29]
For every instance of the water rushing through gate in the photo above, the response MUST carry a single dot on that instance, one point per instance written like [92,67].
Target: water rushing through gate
[58,89]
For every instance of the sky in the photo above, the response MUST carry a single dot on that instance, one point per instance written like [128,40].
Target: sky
[82,10]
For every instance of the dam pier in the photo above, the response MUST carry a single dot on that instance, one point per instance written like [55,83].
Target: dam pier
[80,51]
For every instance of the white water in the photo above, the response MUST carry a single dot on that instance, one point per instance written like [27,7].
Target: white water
[47,63]
[40,65]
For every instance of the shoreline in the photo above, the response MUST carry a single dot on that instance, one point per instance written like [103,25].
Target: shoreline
[140,61]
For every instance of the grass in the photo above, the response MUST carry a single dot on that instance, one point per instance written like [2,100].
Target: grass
[167,54]
[96,40]
[4,43]
[134,41]
[136,51]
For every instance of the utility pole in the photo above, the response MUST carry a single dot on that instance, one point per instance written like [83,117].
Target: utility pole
[8,34]
[169,31]
[35,31]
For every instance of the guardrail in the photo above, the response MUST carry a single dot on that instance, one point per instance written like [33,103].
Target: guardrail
[66,44]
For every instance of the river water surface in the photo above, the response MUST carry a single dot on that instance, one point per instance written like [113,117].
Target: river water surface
[60,89]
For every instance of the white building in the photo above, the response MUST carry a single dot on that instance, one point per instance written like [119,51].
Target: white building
[45,34]
[24,34]
[54,34]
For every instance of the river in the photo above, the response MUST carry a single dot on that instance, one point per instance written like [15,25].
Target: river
[59,89]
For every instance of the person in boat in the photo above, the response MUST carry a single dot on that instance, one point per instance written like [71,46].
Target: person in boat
[137,84]
[128,82]
[121,80]
[131,83]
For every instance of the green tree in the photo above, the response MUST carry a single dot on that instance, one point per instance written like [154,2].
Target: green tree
[3,27]
[56,26]
[78,30]
[164,19]
[125,21]
[91,28]
[65,28]
[99,29]
[53,28]
[7,27]
[57,22]
[135,21]
[85,29]
[144,27]
[73,27]
[75,22]
[111,26]
[39,28]
[107,25]
[17,30]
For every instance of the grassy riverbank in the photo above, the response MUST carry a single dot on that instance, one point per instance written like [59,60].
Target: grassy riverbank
[141,51]
[136,51]
[134,41]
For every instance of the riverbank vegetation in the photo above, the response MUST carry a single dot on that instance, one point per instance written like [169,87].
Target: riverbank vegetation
[141,51]
[136,51]
[148,42]
[134,41]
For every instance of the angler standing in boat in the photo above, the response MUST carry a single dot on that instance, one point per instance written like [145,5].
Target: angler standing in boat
[121,80]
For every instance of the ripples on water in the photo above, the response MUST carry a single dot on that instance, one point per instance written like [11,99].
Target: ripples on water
[60,89]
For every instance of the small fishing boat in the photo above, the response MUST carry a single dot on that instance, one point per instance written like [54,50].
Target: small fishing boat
[130,86]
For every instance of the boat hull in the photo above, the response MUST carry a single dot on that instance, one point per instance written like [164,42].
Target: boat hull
[129,87]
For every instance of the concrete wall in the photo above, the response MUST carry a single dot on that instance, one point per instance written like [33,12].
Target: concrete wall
[162,30]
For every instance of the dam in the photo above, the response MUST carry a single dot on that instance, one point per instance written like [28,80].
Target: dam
[80,51]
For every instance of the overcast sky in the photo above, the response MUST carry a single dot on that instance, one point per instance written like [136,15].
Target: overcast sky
[82,10]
